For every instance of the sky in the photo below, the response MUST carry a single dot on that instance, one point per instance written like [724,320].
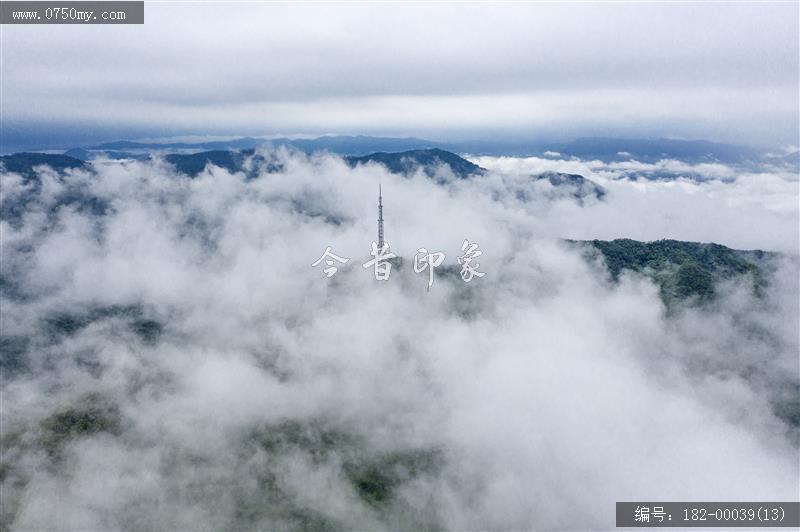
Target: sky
[445,71]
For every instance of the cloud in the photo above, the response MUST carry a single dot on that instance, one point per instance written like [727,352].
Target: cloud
[536,70]
[740,208]
[268,396]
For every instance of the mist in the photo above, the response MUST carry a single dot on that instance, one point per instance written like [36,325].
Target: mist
[743,208]
[239,388]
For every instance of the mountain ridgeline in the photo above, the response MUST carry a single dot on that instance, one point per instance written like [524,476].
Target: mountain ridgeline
[684,270]
[601,148]
[409,162]
[26,163]
[581,187]
[430,161]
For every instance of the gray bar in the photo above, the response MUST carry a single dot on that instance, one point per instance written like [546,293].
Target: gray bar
[71,12]
[708,514]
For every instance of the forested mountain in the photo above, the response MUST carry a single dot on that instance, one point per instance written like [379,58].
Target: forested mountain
[684,270]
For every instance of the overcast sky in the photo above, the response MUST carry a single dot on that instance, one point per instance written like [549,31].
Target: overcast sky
[724,72]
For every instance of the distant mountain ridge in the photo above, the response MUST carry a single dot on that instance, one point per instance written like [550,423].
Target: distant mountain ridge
[582,186]
[358,145]
[234,144]
[429,160]
[191,164]
[24,163]
[652,150]
[87,155]
[602,148]
[343,145]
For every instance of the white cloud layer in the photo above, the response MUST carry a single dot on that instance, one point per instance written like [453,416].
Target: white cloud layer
[548,392]
[714,203]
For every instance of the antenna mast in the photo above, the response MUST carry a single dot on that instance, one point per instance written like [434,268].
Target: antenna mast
[380,218]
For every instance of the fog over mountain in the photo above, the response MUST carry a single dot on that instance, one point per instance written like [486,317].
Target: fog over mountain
[171,359]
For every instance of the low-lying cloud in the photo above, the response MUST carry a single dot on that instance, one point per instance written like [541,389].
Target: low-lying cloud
[236,387]
[740,208]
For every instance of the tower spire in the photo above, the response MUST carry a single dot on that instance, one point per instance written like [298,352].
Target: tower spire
[380,218]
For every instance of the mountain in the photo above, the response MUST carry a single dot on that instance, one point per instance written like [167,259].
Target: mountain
[652,150]
[357,145]
[342,145]
[24,163]
[14,206]
[235,144]
[582,187]
[688,273]
[684,270]
[192,164]
[79,153]
[408,162]
[87,155]
[603,148]
[790,160]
